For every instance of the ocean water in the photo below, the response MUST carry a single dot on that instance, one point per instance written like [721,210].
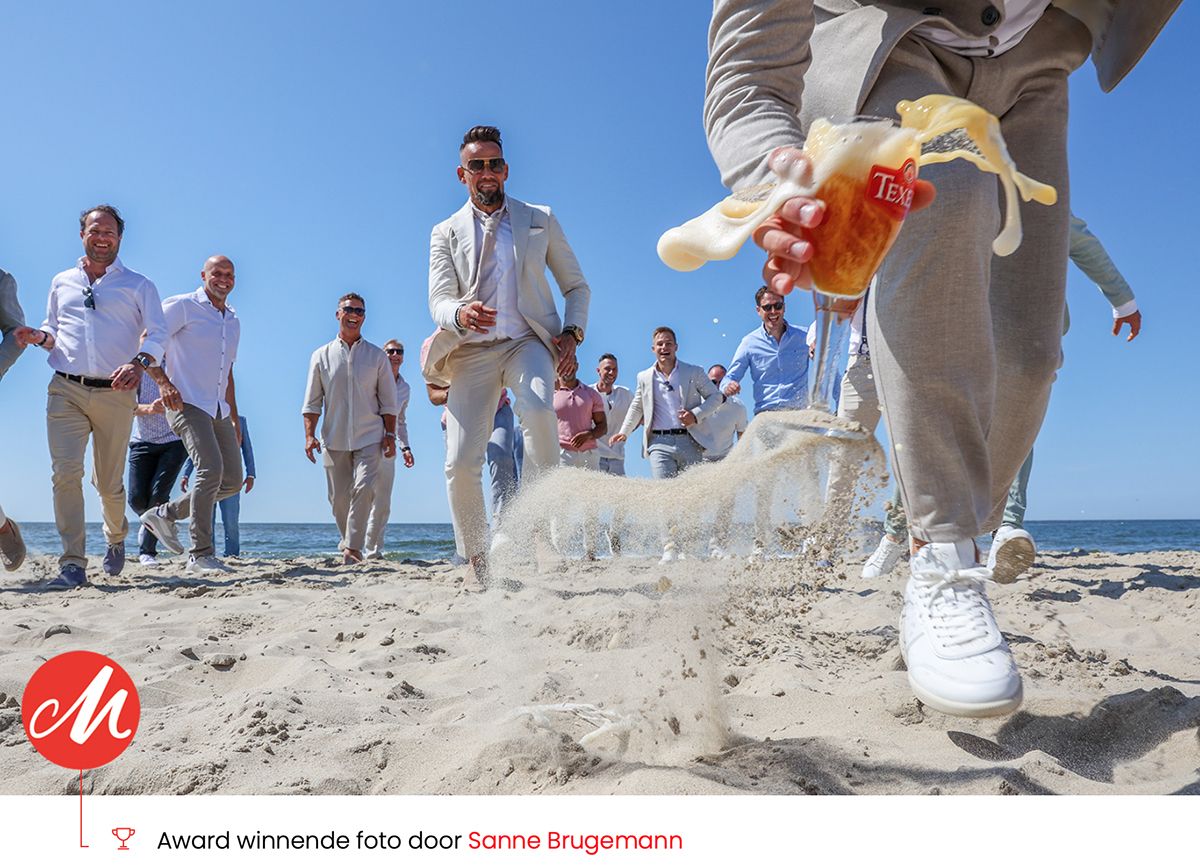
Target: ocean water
[436,541]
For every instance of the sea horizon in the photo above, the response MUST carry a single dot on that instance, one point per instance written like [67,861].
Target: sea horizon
[435,540]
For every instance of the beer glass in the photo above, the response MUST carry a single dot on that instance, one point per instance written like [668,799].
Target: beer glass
[864,171]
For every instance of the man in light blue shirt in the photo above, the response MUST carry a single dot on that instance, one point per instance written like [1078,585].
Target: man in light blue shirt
[776,356]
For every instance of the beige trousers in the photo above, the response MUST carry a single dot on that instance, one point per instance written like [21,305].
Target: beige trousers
[212,445]
[381,506]
[350,477]
[73,413]
[477,373]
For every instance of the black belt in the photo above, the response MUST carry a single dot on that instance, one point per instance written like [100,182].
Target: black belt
[675,431]
[85,380]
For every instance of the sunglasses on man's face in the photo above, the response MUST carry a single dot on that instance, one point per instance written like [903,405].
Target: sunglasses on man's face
[495,165]
[355,311]
[394,351]
[778,305]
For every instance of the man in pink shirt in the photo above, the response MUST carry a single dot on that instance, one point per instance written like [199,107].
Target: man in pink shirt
[581,420]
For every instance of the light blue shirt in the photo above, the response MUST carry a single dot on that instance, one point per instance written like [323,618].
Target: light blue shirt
[779,369]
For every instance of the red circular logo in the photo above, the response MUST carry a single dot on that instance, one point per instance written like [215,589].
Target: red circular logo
[80,710]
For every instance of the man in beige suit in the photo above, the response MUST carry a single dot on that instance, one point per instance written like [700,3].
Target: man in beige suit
[965,402]
[499,327]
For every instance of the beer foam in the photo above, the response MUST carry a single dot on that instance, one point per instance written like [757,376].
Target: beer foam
[853,149]
[937,115]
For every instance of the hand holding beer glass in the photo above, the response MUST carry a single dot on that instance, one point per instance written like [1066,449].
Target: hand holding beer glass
[840,204]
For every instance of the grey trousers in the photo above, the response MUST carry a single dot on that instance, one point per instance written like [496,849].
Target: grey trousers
[965,345]
[350,477]
[212,445]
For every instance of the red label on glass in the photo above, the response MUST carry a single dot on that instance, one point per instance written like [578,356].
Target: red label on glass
[892,189]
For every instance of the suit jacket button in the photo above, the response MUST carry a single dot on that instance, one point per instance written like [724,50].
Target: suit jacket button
[990,16]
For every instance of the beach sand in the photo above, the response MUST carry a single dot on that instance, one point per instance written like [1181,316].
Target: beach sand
[305,677]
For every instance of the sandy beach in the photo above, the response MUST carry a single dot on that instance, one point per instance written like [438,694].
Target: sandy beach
[304,677]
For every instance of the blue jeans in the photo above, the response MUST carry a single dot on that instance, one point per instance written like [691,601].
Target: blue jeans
[671,454]
[505,454]
[231,509]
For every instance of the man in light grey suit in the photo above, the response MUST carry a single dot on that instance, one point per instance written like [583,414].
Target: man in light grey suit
[671,397]
[498,327]
[965,402]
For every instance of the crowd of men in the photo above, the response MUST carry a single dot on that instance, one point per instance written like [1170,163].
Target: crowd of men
[119,354]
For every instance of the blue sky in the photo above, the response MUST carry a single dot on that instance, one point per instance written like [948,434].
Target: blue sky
[316,145]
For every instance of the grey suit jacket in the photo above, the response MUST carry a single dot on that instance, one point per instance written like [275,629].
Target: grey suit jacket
[538,243]
[762,53]
[12,317]
[697,392]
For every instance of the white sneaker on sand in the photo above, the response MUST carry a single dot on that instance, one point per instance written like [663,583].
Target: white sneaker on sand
[670,555]
[156,521]
[147,559]
[884,560]
[958,662]
[206,563]
[1011,554]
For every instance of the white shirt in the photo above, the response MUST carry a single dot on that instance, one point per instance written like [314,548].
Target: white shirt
[403,394]
[497,276]
[616,406]
[96,342]
[667,401]
[355,386]
[1018,17]
[202,346]
[721,424]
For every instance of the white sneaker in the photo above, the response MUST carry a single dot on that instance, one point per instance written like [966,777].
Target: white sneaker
[156,521]
[670,555]
[206,563]
[1011,554]
[958,662]
[884,560]
[147,559]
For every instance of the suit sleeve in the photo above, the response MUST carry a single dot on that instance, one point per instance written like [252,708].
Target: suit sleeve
[444,297]
[1092,259]
[247,448]
[758,53]
[12,317]
[567,274]
[634,416]
[710,397]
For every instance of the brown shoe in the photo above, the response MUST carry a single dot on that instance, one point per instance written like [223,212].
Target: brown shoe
[12,546]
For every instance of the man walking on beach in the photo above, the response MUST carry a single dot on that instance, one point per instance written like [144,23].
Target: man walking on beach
[204,333]
[12,317]
[775,355]
[671,397]
[965,402]
[352,381]
[498,327]
[95,317]
[617,399]
[381,508]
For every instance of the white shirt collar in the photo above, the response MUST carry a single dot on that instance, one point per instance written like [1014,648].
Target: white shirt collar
[115,266]
[499,214]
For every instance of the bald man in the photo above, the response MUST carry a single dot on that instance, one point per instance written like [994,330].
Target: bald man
[203,333]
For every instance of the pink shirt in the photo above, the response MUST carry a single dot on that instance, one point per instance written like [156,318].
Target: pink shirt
[574,408]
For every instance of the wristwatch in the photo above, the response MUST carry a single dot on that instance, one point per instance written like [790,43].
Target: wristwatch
[143,360]
[575,331]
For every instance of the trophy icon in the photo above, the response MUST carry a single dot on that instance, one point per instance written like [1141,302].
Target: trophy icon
[123,834]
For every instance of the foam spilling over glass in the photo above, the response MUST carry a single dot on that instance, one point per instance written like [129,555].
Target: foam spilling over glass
[862,170]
